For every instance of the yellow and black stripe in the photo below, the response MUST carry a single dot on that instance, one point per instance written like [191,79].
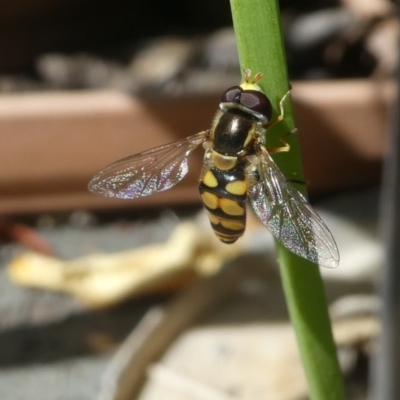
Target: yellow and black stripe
[224,196]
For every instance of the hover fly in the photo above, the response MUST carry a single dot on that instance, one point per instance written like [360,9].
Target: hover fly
[237,165]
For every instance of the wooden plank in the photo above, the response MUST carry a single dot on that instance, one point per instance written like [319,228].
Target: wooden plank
[52,143]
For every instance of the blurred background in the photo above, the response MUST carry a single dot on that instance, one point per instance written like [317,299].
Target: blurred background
[107,299]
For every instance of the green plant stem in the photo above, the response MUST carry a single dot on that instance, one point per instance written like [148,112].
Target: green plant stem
[260,46]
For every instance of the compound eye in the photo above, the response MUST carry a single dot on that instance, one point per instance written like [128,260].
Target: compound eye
[232,95]
[256,101]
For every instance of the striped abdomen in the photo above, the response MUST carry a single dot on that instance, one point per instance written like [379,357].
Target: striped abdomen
[224,196]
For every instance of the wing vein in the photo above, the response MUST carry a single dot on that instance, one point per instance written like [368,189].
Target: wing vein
[146,173]
[289,217]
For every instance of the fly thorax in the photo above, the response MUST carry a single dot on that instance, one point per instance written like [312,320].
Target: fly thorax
[234,132]
[253,160]
[222,161]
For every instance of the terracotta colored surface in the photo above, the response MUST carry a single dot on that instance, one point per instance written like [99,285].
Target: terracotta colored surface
[342,128]
[51,143]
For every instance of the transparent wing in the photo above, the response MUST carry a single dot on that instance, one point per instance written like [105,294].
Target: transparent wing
[289,217]
[146,173]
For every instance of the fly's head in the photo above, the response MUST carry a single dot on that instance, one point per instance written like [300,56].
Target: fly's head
[248,97]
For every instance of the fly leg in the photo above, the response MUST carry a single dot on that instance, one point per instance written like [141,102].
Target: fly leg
[286,145]
[262,152]
[281,116]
